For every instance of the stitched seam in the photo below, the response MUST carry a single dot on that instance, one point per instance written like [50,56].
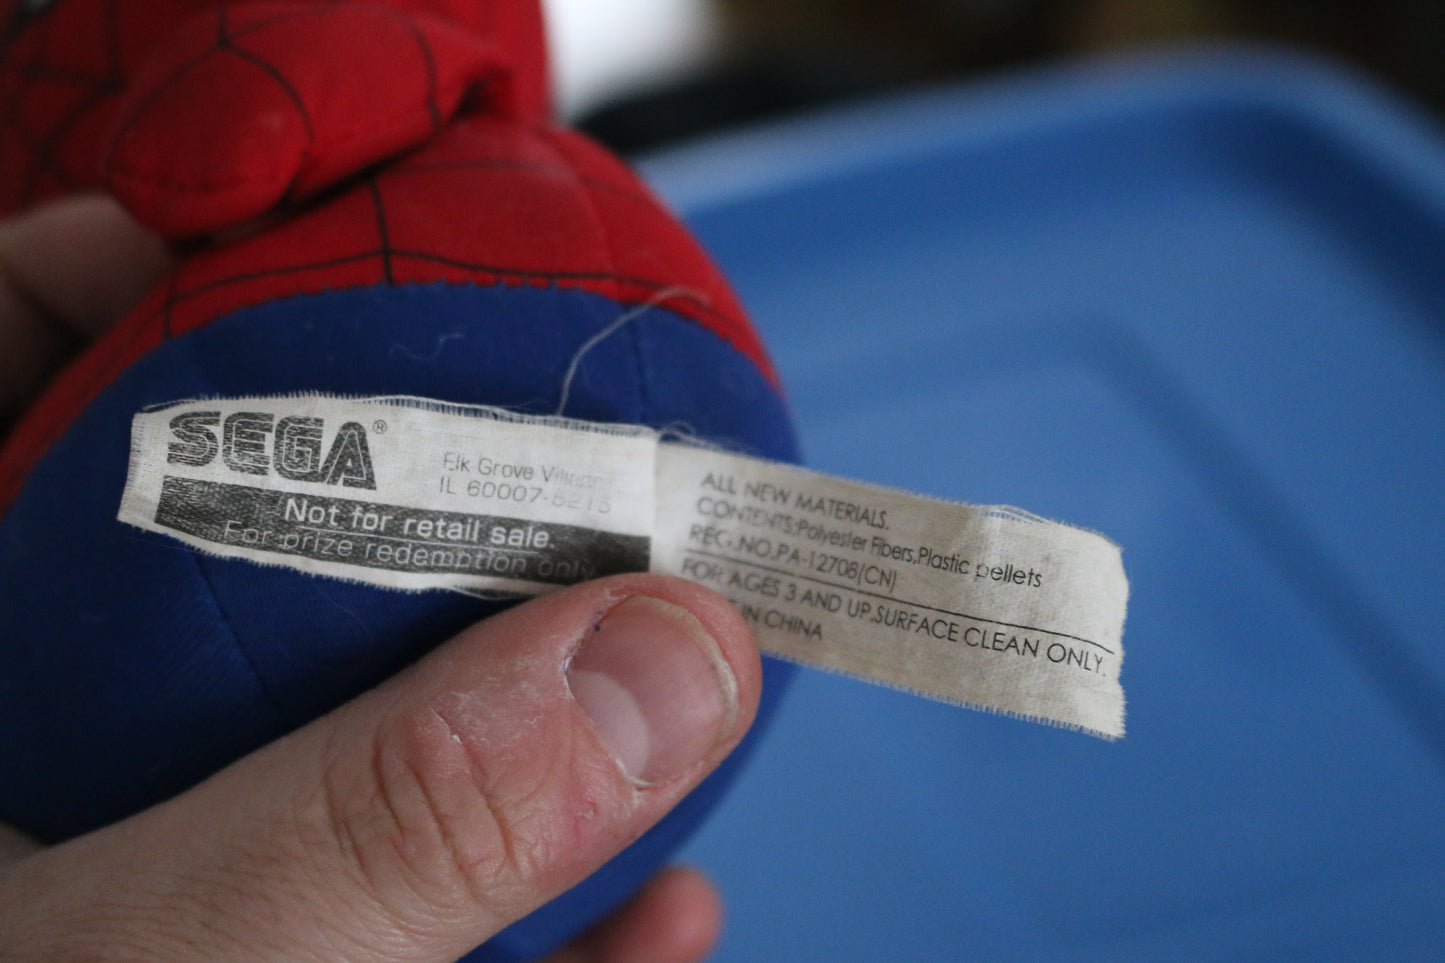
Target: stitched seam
[224,620]
[644,372]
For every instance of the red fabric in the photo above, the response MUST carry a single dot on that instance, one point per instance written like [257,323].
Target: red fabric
[248,109]
[241,111]
[63,76]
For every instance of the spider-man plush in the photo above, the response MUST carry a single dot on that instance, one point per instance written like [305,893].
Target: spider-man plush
[368,198]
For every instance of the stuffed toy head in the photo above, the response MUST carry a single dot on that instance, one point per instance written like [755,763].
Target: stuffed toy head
[367,198]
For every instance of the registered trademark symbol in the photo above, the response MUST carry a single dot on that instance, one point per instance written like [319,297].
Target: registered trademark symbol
[379,427]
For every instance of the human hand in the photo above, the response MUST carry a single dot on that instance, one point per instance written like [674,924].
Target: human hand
[420,819]
[68,271]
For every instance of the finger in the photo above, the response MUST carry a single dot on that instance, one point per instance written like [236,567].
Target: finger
[676,919]
[420,819]
[68,270]
[81,261]
[15,845]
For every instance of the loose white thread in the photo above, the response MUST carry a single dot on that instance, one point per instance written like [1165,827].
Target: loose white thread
[621,321]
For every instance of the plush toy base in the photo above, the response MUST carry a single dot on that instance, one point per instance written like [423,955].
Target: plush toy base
[135,666]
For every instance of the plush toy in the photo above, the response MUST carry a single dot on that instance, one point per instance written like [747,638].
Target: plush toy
[368,198]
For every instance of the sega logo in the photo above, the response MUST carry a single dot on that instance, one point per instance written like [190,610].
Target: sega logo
[256,443]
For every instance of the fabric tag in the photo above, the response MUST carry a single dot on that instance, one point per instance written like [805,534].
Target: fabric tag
[988,607]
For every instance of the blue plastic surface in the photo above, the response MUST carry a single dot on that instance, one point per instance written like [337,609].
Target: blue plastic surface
[1196,303]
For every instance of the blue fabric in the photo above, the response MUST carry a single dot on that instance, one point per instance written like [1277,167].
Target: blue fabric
[132,667]
[1196,303]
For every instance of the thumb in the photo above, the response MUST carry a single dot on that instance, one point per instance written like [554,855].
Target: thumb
[417,821]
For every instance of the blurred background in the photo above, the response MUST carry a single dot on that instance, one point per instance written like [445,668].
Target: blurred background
[639,74]
[1168,270]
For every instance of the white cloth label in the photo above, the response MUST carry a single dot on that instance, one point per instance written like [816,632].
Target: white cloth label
[987,607]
